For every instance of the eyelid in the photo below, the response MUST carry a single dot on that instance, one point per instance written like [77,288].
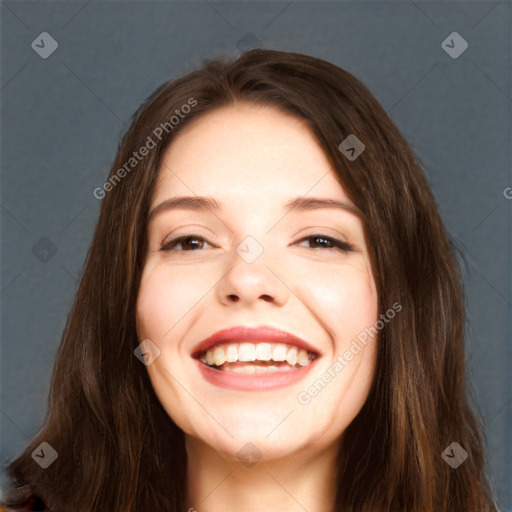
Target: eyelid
[337,243]
[187,234]
[325,232]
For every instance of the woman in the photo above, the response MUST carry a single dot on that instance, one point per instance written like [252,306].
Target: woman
[270,315]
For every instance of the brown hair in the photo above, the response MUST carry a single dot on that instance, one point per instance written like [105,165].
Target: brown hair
[119,450]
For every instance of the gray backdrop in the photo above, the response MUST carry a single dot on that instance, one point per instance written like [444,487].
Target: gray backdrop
[62,117]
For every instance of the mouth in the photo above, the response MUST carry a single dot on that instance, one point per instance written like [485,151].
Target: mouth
[254,358]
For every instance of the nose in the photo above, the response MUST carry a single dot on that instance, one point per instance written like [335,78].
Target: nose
[247,283]
[235,298]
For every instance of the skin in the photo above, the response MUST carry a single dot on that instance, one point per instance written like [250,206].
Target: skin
[254,159]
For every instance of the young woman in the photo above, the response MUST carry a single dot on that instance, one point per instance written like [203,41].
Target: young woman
[270,315]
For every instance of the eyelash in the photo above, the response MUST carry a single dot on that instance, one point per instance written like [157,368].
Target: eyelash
[338,244]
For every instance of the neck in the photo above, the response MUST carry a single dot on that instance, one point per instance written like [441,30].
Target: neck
[300,481]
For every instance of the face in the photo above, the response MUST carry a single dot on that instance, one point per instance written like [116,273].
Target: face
[253,262]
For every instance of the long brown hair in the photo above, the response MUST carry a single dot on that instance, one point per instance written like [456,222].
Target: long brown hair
[117,447]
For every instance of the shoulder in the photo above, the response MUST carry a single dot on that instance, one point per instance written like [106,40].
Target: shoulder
[33,504]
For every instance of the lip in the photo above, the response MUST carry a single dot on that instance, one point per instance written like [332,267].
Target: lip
[253,382]
[247,334]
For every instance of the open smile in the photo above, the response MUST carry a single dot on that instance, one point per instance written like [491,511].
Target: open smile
[251,358]
[254,358]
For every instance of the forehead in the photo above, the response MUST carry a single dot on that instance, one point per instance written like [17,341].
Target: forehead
[246,150]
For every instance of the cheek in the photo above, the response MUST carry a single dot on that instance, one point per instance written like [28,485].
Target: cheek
[165,296]
[345,299]
[153,307]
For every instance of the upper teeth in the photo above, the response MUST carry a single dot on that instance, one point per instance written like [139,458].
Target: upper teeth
[232,352]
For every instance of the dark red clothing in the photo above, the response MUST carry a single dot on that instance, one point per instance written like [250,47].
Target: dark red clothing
[34,504]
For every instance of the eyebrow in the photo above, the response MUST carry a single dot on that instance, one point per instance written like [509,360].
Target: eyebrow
[203,203]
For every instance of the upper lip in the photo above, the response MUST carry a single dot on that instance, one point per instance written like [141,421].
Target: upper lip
[247,334]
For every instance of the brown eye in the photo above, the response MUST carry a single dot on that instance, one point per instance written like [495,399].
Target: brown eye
[326,242]
[188,242]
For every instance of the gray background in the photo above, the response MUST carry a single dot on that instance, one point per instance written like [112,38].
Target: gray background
[62,118]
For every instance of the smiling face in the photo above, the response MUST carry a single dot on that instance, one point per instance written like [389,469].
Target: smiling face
[253,262]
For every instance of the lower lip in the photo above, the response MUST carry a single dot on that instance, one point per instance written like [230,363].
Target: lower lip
[253,382]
